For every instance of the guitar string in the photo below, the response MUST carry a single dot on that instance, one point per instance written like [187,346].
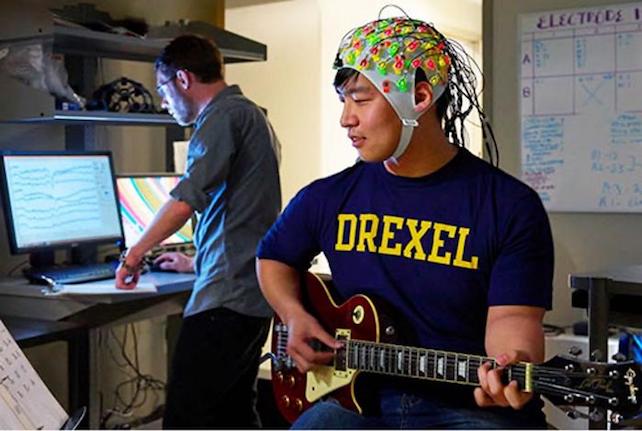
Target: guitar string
[539,386]
[455,358]
[550,388]
[411,355]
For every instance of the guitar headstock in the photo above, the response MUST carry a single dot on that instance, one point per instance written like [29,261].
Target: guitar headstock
[569,381]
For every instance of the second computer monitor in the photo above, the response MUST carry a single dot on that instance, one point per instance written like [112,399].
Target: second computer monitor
[141,197]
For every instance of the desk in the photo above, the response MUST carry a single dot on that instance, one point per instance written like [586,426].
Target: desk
[610,297]
[76,319]
[34,332]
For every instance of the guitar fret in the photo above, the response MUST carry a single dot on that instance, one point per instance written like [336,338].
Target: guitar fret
[462,368]
[433,365]
[392,360]
[407,354]
[413,363]
[408,358]
[451,361]
[473,366]
[440,366]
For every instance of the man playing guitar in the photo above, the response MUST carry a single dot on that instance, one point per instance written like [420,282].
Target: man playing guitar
[460,249]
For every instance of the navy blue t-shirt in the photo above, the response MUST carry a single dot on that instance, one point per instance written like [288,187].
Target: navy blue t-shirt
[440,249]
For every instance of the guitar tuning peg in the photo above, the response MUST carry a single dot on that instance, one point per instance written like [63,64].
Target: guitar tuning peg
[574,351]
[616,418]
[596,355]
[619,357]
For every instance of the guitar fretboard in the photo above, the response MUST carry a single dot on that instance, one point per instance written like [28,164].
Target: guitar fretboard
[418,363]
[406,361]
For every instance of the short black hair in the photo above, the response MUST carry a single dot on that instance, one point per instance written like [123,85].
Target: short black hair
[345,74]
[192,53]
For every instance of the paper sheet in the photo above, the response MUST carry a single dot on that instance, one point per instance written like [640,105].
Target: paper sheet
[25,401]
[101,287]
[180,156]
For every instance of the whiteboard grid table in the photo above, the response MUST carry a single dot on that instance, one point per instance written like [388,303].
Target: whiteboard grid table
[581,107]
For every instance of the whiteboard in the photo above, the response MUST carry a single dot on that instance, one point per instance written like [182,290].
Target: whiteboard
[581,107]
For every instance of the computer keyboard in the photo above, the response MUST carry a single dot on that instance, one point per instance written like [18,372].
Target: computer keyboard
[73,273]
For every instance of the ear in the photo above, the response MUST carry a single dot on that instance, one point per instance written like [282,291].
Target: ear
[423,96]
[184,79]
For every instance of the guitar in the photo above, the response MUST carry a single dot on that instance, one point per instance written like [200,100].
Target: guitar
[369,337]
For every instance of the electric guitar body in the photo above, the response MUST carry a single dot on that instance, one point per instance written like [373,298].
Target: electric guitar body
[357,318]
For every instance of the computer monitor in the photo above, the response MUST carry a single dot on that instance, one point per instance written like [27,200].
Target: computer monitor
[141,197]
[59,199]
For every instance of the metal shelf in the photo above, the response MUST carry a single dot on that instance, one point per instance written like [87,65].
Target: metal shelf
[22,25]
[99,118]
[79,41]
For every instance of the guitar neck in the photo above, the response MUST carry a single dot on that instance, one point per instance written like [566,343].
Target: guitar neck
[425,364]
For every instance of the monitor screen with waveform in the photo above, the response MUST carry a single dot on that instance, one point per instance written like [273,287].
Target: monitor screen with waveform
[141,197]
[59,199]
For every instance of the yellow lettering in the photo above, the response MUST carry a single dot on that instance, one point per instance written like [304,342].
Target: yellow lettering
[368,224]
[415,239]
[461,245]
[387,235]
[343,219]
[438,243]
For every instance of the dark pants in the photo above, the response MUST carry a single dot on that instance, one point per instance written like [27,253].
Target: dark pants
[405,411]
[213,378]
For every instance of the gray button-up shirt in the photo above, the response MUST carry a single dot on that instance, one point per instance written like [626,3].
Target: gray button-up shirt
[232,180]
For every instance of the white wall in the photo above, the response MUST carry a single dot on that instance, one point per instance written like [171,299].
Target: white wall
[287,84]
[295,84]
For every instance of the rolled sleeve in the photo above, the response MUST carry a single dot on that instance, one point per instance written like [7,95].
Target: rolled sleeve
[187,192]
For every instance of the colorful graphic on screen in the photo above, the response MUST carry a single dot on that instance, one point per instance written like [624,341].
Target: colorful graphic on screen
[140,199]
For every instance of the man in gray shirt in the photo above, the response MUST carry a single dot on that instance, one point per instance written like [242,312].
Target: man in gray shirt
[232,181]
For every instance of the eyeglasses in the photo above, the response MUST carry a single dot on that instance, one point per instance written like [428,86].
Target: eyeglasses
[159,87]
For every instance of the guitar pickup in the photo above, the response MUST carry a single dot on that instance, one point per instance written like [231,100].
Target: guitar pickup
[341,355]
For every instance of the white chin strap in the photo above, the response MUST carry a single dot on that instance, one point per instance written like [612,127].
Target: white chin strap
[407,127]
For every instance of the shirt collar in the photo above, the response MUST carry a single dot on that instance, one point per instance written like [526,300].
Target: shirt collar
[230,90]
